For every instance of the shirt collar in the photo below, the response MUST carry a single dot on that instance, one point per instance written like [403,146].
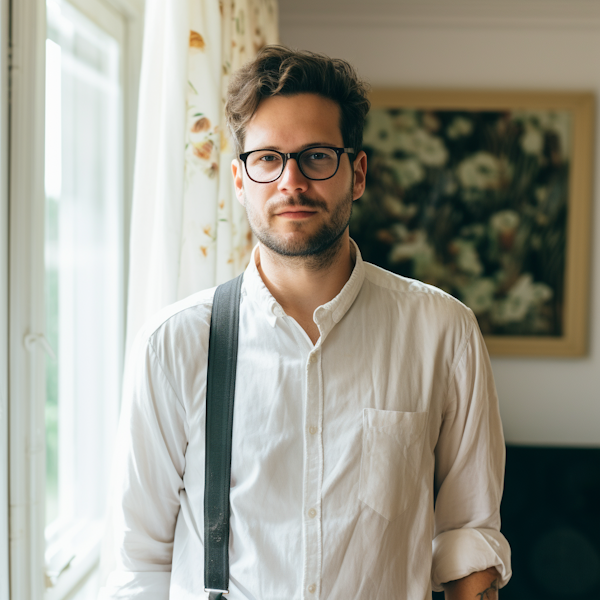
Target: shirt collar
[256,290]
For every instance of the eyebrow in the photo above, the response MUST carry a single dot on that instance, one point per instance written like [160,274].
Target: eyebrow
[278,148]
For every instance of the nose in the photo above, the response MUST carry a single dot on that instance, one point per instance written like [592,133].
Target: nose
[291,179]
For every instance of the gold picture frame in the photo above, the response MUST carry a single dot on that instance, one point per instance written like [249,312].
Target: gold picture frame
[548,138]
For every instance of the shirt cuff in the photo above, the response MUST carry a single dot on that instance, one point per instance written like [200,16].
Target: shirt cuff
[126,585]
[460,552]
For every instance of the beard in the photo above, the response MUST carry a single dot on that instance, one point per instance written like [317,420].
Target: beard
[320,247]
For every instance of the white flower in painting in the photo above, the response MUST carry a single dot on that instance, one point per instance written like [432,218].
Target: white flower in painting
[409,171]
[396,208]
[479,171]
[541,293]
[467,258]
[479,295]
[428,269]
[532,140]
[561,124]
[407,119]
[430,149]
[521,297]
[378,131]
[505,221]
[460,127]
[483,171]
[400,231]
[558,122]
[405,141]
[503,312]
[393,205]
[414,245]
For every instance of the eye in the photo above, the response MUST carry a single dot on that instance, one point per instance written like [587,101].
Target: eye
[269,157]
[317,156]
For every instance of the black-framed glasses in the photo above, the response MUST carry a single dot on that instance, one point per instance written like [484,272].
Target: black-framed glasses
[317,163]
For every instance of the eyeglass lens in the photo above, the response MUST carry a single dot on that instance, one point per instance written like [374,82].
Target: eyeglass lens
[315,163]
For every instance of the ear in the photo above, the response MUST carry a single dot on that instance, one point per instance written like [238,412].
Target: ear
[237,171]
[360,175]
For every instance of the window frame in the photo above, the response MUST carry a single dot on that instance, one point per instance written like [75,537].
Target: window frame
[73,546]
[4,499]
[26,307]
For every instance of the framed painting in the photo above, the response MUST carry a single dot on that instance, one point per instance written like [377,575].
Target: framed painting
[486,195]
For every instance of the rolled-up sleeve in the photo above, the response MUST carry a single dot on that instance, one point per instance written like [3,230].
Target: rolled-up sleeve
[147,480]
[470,456]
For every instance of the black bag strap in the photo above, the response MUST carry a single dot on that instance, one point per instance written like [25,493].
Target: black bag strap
[220,390]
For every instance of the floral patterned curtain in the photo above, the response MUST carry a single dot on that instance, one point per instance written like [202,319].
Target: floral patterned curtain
[188,232]
[216,240]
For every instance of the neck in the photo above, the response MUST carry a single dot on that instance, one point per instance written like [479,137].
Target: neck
[300,284]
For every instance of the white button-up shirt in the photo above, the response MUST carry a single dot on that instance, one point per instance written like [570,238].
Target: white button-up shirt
[339,449]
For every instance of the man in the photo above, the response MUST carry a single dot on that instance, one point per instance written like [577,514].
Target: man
[360,394]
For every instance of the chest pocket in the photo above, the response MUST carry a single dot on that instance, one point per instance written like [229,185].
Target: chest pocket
[391,459]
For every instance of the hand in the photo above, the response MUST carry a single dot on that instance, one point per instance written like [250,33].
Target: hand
[476,586]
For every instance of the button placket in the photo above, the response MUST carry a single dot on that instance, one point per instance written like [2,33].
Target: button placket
[313,355]
[313,475]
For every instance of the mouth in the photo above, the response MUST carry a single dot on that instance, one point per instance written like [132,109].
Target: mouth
[296,214]
[300,208]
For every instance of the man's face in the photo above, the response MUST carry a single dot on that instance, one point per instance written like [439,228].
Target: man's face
[296,216]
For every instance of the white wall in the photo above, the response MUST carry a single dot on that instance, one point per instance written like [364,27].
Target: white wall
[524,44]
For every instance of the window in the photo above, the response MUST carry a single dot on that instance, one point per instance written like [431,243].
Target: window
[73,106]
[83,272]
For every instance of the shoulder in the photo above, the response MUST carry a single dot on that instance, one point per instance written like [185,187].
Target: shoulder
[427,319]
[415,297]
[182,327]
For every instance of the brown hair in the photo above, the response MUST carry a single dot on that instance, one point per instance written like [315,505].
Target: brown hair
[278,70]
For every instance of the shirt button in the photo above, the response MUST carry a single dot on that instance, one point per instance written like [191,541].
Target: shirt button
[312,430]
[312,588]
[312,513]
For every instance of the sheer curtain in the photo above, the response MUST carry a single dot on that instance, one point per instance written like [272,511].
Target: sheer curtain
[188,232]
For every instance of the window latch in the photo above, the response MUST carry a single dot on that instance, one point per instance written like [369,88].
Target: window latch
[31,339]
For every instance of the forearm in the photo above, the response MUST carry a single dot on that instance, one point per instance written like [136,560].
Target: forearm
[476,586]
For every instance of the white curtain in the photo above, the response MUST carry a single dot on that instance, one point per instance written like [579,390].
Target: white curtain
[188,232]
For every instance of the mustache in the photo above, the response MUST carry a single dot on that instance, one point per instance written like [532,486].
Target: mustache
[298,201]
